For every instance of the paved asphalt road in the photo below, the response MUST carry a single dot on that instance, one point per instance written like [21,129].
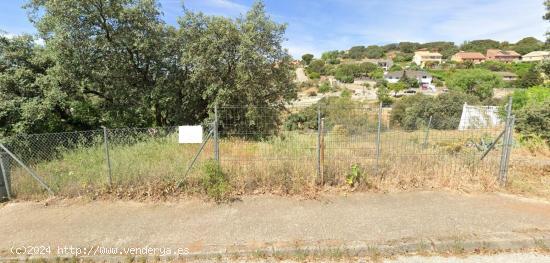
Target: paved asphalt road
[256,223]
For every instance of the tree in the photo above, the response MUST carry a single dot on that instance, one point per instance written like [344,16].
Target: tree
[530,79]
[547,17]
[534,119]
[480,45]
[330,55]
[528,44]
[374,52]
[397,87]
[408,82]
[317,66]
[121,65]
[413,112]
[357,52]
[408,47]
[109,52]
[29,102]
[478,82]
[382,92]
[395,67]
[307,58]
[447,49]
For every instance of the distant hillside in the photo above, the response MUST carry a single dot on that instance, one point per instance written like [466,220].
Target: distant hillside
[404,50]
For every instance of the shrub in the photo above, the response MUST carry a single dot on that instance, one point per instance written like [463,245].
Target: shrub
[478,82]
[346,93]
[324,87]
[413,112]
[383,93]
[344,78]
[215,182]
[533,142]
[354,176]
[534,119]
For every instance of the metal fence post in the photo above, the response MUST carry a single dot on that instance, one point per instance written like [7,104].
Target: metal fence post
[378,136]
[216,136]
[106,143]
[28,169]
[505,139]
[427,132]
[510,143]
[319,131]
[5,176]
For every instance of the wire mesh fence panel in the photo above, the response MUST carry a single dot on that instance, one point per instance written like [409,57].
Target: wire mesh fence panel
[258,148]
[140,155]
[435,152]
[268,147]
[67,162]
[349,137]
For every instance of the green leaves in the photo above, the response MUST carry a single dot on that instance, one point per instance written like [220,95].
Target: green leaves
[476,82]
[116,63]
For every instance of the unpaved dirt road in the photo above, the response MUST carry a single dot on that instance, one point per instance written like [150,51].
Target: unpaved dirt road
[358,220]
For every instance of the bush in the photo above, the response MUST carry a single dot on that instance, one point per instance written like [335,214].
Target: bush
[214,182]
[324,87]
[314,75]
[534,119]
[414,112]
[344,78]
[383,93]
[478,82]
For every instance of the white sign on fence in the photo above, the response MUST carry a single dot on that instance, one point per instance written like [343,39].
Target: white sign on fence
[478,117]
[190,134]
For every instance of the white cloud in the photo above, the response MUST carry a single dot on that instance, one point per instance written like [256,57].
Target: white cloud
[508,20]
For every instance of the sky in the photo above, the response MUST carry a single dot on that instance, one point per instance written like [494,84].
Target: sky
[315,26]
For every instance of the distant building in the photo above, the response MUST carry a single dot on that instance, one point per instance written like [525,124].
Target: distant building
[474,57]
[424,78]
[423,57]
[386,64]
[536,56]
[502,56]
[507,76]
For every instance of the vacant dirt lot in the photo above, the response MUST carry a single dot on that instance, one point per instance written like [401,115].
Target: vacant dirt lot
[357,222]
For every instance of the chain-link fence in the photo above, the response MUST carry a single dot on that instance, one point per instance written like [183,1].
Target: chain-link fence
[264,147]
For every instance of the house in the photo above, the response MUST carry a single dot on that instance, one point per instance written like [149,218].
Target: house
[424,57]
[424,78]
[507,76]
[474,57]
[386,64]
[536,56]
[502,56]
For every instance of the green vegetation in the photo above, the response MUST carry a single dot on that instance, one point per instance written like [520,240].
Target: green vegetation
[119,65]
[355,176]
[530,79]
[324,87]
[413,112]
[477,82]
[528,44]
[215,182]
[532,112]
[307,58]
[480,45]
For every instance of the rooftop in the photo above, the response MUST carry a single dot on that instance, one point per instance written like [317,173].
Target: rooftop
[537,54]
[470,55]
[409,74]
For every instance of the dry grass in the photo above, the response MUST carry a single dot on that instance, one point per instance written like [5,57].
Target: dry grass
[285,165]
